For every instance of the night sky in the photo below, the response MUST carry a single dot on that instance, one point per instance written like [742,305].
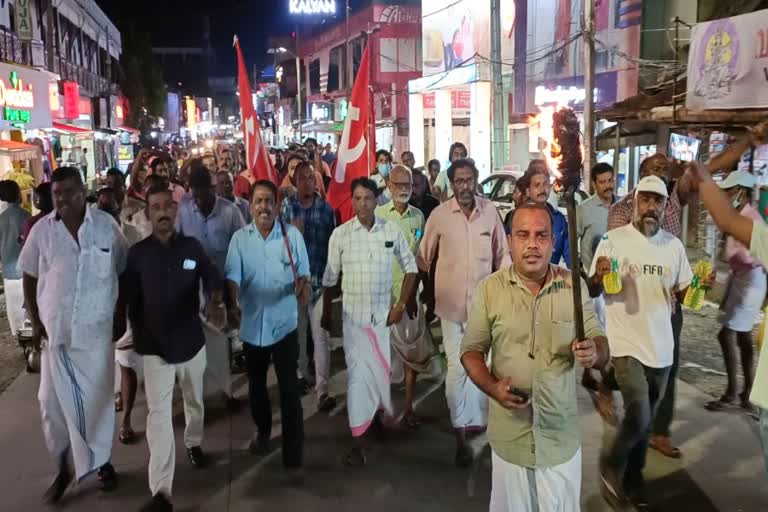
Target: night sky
[181,24]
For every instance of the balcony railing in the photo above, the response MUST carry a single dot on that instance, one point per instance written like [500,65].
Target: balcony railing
[32,53]
[28,53]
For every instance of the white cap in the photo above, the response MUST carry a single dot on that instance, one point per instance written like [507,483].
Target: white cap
[739,179]
[652,184]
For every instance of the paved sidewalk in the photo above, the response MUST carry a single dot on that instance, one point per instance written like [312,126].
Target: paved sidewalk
[722,469]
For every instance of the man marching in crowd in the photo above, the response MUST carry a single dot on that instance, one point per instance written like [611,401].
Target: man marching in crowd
[466,237]
[539,187]
[212,221]
[161,290]
[364,250]
[267,273]
[533,425]
[71,300]
[225,190]
[314,217]
[653,266]
[411,340]
[12,221]
[743,299]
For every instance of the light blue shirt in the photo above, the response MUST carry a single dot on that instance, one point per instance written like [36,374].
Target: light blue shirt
[262,270]
[591,225]
[213,232]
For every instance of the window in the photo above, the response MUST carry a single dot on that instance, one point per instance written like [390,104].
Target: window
[488,186]
[335,66]
[314,77]
[505,191]
[358,45]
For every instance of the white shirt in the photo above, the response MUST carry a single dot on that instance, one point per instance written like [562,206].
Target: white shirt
[638,319]
[366,258]
[77,283]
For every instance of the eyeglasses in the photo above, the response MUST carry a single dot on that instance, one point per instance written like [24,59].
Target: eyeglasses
[461,183]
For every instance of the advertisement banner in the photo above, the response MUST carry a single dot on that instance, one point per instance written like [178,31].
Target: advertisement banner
[24,98]
[172,113]
[23,19]
[728,63]
[453,33]
[71,100]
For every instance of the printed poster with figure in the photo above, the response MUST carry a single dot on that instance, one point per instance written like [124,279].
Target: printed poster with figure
[728,63]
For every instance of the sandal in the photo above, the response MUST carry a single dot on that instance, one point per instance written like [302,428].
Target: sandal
[127,435]
[724,402]
[356,458]
[664,446]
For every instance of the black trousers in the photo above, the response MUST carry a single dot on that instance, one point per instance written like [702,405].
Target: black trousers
[285,356]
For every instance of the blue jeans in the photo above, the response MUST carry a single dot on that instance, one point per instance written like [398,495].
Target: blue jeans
[764,434]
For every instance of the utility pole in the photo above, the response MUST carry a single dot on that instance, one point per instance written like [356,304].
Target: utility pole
[347,53]
[499,140]
[298,84]
[589,88]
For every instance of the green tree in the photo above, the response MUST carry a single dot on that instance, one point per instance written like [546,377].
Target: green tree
[142,80]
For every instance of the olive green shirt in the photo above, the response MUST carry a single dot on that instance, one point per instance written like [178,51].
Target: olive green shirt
[513,324]
[758,248]
[412,224]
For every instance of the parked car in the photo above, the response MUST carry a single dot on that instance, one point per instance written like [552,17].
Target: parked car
[499,188]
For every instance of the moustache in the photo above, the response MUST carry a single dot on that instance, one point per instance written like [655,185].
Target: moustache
[650,216]
[164,219]
[528,254]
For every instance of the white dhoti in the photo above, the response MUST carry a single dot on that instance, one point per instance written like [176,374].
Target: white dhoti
[468,405]
[159,381]
[14,304]
[366,350]
[520,489]
[76,403]
[218,373]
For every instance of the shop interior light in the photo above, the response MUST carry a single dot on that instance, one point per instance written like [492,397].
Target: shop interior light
[153,135]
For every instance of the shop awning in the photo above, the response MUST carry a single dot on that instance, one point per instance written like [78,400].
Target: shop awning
[69,128]
[18,150]
[323,127]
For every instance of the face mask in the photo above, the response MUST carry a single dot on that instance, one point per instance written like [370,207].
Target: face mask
[384,169]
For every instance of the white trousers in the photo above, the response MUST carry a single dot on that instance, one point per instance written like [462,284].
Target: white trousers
[14,304]
[519,489]
[312,313]
[159,378]
[218,373]
[76,403]
[468,405]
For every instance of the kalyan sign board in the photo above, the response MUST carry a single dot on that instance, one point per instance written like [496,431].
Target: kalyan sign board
[312,6]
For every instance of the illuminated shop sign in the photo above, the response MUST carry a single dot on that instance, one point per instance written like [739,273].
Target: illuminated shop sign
[312,6]
[16,99]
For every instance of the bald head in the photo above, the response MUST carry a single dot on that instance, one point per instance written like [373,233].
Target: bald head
[400,184]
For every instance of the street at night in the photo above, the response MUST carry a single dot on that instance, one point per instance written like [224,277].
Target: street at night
[411,255]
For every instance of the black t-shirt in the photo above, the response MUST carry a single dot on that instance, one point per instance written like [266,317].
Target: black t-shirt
[428,204]
[162,284]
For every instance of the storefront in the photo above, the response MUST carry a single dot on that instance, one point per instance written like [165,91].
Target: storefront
[24,110]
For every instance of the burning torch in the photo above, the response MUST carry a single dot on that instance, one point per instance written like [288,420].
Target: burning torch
[566,147]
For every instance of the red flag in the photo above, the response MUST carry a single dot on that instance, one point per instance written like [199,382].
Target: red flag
[353,158]
[256,155]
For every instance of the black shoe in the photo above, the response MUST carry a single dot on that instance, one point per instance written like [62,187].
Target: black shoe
[158,503]
[326,403]
[197,457]
[259,446]
[59,485]
[107,478]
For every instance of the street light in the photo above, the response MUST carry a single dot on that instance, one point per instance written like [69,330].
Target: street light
[282,49]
